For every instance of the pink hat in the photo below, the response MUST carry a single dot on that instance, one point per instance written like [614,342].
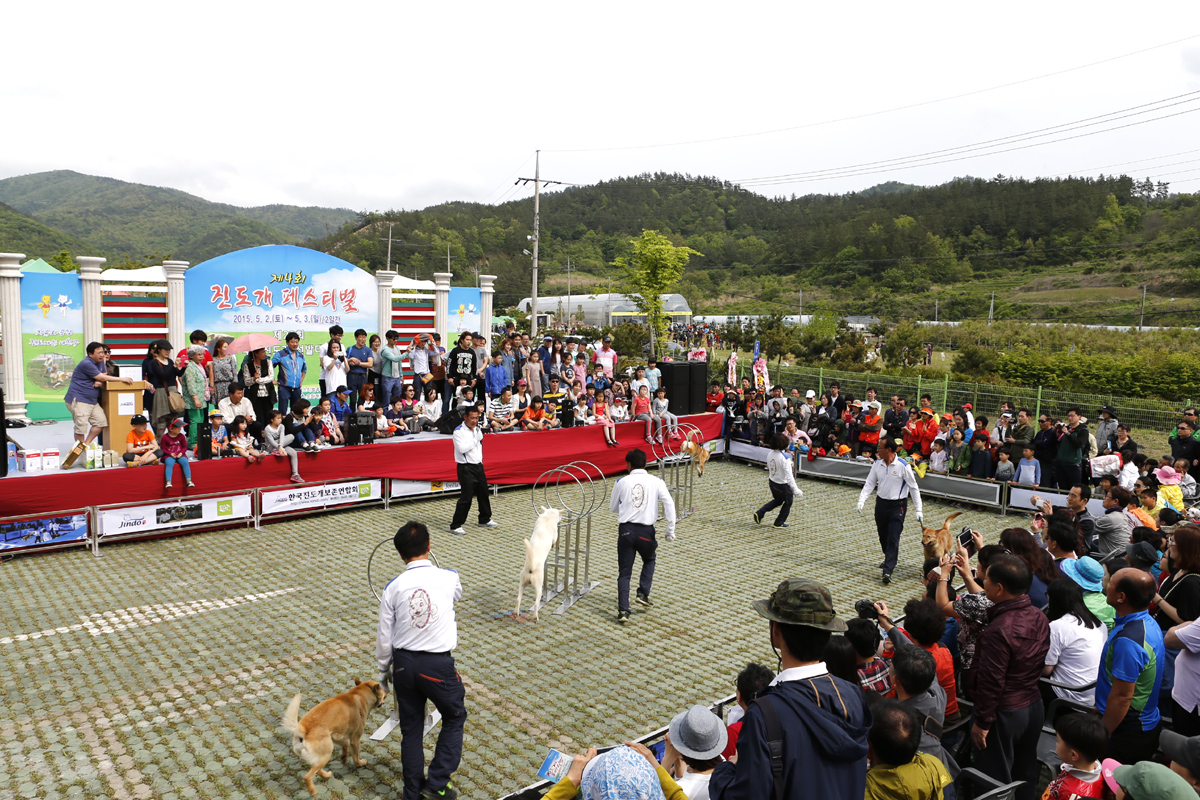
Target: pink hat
[1106,769]
[1168,476]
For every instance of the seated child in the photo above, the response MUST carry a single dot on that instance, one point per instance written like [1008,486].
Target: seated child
[220,434]
[583,414]
[602,417]
[464,398]
[1005,470]
[618,410]
[277,441]
[665,419]
[938,459]
[500,412]
[175,447]
[331,431]
[534,418]
[296,424]
[140,445]
[641,412]
[242,442]
[1081,742]
[383,426]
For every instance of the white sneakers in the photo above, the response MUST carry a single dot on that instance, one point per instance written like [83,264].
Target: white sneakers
[491,523]
[458,531]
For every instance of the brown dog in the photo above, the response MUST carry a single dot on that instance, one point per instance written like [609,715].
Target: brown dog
[693,447]
[338,720]
[939,541]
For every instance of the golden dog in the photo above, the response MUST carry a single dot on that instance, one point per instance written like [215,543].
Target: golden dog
[939,541]
[338,720]
[694,448]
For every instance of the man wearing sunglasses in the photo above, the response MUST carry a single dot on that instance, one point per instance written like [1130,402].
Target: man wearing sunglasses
[1045,448]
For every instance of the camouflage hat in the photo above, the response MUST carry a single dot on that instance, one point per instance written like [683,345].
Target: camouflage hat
[801,601]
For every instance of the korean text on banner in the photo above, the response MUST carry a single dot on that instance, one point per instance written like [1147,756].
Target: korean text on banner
[178,514]
[329,494]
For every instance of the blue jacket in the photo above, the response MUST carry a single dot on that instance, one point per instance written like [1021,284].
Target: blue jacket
[825,747]
[294,367]
[495,379]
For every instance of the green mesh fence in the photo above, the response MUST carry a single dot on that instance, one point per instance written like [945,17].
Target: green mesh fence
[1153,420]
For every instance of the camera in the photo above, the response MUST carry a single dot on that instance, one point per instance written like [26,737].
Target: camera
[866,610]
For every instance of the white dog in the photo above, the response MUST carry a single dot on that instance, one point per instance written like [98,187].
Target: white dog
[537,548]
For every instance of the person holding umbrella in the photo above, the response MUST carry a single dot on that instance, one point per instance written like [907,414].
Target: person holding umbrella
[256,373]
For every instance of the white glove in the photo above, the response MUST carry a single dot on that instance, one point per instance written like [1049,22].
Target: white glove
[861,503]
[670,537]
[799,495]
[385,680]
[920,517]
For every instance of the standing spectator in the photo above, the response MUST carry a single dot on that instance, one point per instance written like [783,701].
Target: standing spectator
[1089,574]
[1114,528]
[972,606]
[1131,670]
[417,635]
[892,480]
[359,359]
[1045,444]
[750,681]
[836,400]
[222,370]
[161,376]
[193,391]
[423,354]
[197,337]
[1022,544]
[1183,444]
[606,357]
[327,386]
[895,419]
[1106,430]
[653,374]
[1019,435]
[925,625]
[375,371]
[461,368]
[334,366]
[823,720]
[1178,598]
[468,458]
[391,358]
[635,501]
[1185,694]
[495,376]
[83,394]
[1003,681]
[175,446]
[508,358]
[292,369]
[532,373]
[260,385]
[873,676]
[1077,638]
[1073,444]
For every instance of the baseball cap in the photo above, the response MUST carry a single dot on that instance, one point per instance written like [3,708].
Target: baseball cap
[341,390]
[607,339]
[1085,571]
[927,410]
[698,733]
[1147,780]
[1006,413]
[522,382]
[1141,554]
[968,406]
[216,412]
[139,419]
[800,601]
[177,422]
[1181,749]
[810,393]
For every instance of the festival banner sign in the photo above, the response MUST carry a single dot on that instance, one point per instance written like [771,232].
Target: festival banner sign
[180,514]
[275,289]
[402,488]
[329,494]
[463,313]
[71,529]
[52,329]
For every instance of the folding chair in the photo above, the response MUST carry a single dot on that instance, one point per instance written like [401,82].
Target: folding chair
[970,781]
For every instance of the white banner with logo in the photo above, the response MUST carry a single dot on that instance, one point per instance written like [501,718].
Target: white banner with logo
[410,488]
[329,494]
[174,514]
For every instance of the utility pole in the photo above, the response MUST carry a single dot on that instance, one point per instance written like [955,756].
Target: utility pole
[935,310]
[1142,315]
[992,308]
[537,192]
[568,296]
[402,243]
[801,306]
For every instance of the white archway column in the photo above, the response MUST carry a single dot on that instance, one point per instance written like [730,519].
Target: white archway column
[176,324]
[89,278]
[384,278]
[487,292]
[441,305]
[14,342]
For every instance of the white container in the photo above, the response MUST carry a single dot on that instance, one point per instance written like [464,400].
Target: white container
[30,460]
[50,459]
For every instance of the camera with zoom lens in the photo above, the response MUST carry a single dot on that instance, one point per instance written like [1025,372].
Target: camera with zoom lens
[866,610]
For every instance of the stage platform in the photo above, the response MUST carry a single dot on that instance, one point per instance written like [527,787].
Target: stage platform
[509,459]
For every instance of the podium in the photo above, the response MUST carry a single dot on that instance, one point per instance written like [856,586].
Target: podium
[120,401]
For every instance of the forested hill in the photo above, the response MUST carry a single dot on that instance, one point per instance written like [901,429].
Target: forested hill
[892,250]
[114,217]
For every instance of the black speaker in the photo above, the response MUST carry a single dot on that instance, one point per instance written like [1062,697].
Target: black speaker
[698,386]
[3,439]
[204,441]
[449,421]
[360,427]
[676,379]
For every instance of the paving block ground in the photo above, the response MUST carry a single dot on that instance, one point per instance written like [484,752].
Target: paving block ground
[161,669]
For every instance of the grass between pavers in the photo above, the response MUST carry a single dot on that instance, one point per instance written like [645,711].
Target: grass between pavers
[132,711]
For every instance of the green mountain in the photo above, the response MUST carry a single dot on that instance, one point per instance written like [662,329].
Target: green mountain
[115,217]
[20,233]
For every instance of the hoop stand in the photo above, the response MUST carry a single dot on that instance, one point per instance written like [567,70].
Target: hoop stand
[574,542]
[675,469]
[432,715]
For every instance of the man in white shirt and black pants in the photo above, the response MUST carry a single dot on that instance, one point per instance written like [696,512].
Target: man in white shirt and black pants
[892,480]
[635,500]
[417,636]
[468,455]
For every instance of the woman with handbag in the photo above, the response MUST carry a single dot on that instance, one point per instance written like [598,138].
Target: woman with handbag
[1178,598]
[256,374]
[161,377]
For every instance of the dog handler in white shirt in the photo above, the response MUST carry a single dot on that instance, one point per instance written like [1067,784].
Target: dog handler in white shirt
[635,501]
[417,636]
[468,456]
[781,481]
[892,480]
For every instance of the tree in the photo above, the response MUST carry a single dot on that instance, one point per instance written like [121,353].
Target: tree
[64,262]
[905,346]
[653,270]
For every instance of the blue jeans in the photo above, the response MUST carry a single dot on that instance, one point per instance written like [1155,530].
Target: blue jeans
[287,396]
[390,386]
[416,678]
[170,461]
[304,435]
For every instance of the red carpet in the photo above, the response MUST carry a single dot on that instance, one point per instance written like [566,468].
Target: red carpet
[509,459]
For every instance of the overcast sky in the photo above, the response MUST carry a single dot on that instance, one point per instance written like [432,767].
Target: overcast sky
[402,105]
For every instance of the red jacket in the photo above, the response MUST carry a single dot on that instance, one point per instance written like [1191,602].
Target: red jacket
[919,438]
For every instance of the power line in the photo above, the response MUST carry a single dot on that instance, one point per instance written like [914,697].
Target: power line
[883,111]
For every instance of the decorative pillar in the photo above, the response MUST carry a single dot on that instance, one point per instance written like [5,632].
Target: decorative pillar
[89,277]
[176,329]
[487,292]
[14,343]
[384,278]
[441,305]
